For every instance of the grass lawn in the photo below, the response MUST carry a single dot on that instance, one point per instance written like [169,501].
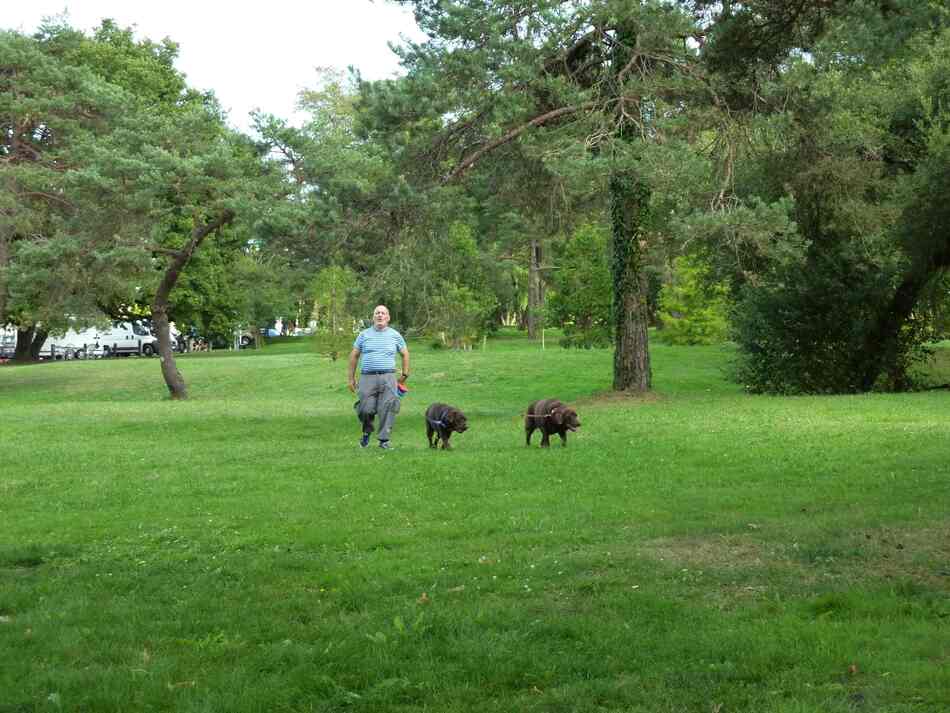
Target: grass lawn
[698,550]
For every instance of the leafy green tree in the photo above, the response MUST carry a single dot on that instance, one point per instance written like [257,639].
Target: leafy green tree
[63,243]
[694,310]
[583,289]
[263,291]
[854,150]
[116,174]
[333,293]
[461,315]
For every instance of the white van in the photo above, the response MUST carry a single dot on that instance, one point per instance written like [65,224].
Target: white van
[127,338]
[72,344]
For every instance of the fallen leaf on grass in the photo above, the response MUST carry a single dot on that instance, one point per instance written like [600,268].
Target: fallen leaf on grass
[423,599]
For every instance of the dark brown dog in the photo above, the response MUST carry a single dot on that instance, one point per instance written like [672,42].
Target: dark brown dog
[550,416]
[443,420]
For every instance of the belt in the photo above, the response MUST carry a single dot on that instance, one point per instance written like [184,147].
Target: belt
[382,371]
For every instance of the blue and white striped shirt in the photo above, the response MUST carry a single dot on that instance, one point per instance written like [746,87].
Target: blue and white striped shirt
[378,348]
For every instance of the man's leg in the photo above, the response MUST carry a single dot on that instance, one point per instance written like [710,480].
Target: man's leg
[367,405]
[388,405]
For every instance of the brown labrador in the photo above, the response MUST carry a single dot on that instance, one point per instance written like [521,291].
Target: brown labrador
[442,420]
[550,416]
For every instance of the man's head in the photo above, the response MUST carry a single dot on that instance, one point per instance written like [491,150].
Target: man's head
[381,317]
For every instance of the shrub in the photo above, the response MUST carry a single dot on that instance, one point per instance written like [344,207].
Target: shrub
[803,329]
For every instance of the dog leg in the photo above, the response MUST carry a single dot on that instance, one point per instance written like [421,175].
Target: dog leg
[429,432]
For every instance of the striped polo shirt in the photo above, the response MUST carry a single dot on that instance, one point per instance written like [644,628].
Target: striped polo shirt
[378,348]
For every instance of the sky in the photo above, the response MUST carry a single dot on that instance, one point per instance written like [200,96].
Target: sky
[252,55]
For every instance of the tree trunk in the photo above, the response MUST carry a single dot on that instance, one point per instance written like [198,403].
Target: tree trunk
[23,352]
[882,343]
[535,291]
[629,202]
[173,378]
[39,338]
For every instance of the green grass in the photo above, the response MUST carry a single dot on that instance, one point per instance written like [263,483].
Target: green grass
[697,550]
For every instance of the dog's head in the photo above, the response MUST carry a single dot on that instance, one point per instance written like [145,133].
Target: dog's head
[456,421]
[566,416]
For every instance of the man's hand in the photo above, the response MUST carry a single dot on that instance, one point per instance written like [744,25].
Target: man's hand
[351,385]
[403,377]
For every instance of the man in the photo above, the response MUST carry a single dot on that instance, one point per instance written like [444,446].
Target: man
[377,387]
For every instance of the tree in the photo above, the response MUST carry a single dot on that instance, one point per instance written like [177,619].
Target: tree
[332,296]
[850,140]
[601,76]
[63,243]
[113,167]
[583,289]
[694,309]
[204,178]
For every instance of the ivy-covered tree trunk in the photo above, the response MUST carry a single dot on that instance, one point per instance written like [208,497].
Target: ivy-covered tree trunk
[630,198]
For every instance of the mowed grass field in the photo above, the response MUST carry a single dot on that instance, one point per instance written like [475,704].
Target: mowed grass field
[699,550]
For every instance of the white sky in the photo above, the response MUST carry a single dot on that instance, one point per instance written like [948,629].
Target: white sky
[252,55]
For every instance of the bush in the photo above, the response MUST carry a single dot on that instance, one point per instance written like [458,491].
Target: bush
[598,338]
[802,330]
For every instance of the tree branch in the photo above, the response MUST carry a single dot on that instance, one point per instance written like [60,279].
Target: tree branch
[40,194]
[473,157]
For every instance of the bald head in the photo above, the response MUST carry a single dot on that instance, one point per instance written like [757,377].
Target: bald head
[381,317]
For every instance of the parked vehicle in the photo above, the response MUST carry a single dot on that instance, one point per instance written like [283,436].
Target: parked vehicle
[7,343]
[127,338]
[120,337]
[73,344]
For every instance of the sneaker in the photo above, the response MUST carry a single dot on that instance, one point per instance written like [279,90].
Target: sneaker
[364,441]
[385,445]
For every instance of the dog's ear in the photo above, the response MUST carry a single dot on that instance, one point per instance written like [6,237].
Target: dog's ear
[557,415]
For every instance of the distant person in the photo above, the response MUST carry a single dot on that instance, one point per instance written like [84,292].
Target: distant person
[375,349]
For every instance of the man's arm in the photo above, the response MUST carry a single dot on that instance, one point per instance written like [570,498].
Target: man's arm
[351,373]
[404,353]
